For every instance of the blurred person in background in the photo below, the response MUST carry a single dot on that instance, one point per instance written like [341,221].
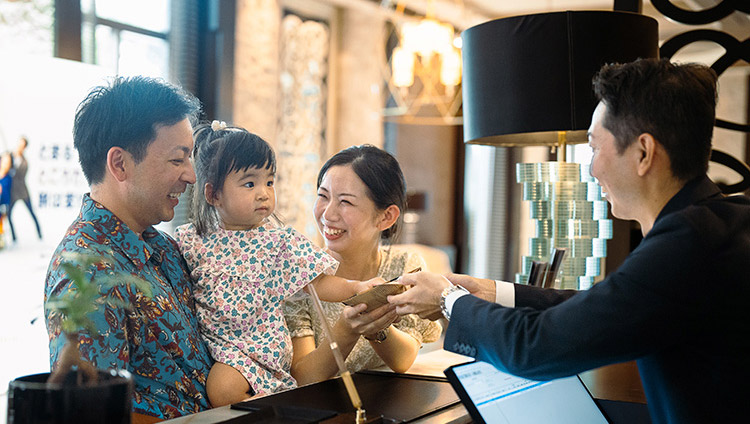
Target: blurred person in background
[18,190]
[6,180]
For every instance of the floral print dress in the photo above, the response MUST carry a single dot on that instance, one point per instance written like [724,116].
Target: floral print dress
[241,279]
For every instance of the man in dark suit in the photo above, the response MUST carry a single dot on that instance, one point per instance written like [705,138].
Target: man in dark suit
[677,305]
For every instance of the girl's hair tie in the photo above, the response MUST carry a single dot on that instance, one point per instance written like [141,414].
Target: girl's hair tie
[218,125]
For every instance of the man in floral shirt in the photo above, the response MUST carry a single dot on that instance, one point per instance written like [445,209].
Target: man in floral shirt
[134,140]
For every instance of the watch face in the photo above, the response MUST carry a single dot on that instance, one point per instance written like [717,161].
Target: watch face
[380,336]
[447,291]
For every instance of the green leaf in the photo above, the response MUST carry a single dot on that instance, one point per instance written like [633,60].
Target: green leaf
[75,274]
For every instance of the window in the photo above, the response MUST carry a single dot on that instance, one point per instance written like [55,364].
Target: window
[128,38]
[26,28]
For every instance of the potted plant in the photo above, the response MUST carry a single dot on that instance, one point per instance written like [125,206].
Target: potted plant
[75,391]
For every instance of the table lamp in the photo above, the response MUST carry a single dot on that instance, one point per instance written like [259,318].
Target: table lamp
[527,82]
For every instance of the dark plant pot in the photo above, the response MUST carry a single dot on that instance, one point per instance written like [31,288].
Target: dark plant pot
[32,400]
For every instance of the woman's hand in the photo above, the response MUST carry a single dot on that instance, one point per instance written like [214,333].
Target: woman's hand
[357,320]
[397,349]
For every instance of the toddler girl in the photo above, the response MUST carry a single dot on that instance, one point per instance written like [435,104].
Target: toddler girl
[244,266]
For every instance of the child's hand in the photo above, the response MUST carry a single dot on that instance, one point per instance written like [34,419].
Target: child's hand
[368,284]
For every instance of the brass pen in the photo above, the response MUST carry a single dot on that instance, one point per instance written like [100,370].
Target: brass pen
[346,376]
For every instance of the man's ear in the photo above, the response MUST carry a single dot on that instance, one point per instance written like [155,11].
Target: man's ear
[210,194]
[119,163]
[647,146]
[388,217]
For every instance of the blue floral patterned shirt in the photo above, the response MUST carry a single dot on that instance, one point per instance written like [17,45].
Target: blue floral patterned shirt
[157,339]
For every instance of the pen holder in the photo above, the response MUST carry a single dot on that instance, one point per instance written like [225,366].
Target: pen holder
[351,418]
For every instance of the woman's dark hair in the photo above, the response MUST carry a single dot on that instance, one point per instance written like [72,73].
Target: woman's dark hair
[381,174]
[674,103]
[216,154]
[126,113]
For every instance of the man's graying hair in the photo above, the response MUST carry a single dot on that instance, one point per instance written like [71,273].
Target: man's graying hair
[675,103]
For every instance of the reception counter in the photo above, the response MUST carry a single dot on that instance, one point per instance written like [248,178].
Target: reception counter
[617,389]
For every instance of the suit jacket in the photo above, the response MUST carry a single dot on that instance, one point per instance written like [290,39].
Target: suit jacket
[677,305]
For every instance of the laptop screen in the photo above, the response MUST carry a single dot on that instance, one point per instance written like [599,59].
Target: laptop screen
[493,396]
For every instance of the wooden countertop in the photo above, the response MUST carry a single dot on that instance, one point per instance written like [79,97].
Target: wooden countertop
[615,382]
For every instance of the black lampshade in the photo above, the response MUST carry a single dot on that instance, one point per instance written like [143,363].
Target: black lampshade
[527,77]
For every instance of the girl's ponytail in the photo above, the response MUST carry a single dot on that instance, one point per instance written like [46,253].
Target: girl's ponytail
[205,217]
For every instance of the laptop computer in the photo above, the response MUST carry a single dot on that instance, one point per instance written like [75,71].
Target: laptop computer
[493,396]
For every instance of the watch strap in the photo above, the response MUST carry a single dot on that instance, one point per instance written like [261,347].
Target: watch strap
[445,294]
[380,336]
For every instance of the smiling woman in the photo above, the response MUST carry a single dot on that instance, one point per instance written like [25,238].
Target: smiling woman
[361,197]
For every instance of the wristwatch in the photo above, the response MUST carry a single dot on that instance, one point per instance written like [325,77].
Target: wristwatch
[446,291]
[380,336]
